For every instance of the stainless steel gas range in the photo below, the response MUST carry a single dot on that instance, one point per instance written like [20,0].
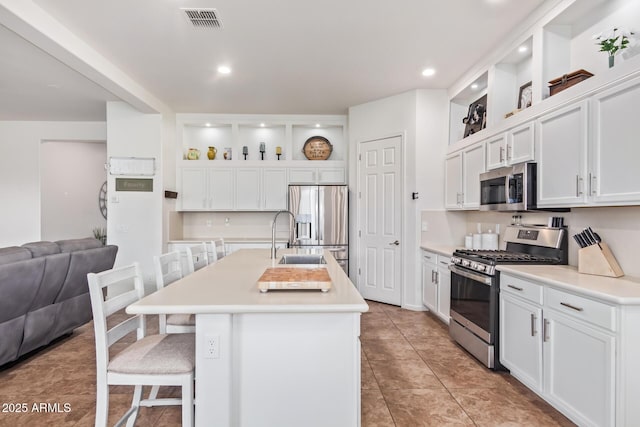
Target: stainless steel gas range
[475,285]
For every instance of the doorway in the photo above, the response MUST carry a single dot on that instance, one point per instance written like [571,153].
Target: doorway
[72,174]
[380,165]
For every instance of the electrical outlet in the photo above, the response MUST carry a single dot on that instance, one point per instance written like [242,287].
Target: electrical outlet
[227,221]
[208,223]
[425,226]
[212,346]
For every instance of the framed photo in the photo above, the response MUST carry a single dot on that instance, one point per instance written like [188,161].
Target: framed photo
[524,96]
[476,119]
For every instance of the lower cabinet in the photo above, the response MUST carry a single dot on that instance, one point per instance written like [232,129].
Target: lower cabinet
[561,346]
[436,284]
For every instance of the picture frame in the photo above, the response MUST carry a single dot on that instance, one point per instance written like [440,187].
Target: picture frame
[476,119]
[525,96]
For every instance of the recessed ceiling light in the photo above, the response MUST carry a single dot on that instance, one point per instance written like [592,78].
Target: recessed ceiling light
[223,69]
[207,125]
[427,72]
[261,125]
[317,125]
[522,49]
[474,86]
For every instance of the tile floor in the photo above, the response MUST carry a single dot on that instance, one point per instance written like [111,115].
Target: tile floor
[412,375]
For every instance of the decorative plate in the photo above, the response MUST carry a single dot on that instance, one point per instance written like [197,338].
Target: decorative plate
[317,148]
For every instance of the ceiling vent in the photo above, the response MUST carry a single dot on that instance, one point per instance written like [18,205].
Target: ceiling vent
[203,17]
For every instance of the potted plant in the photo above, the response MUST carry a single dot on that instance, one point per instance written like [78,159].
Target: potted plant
[613,41]
[100,233]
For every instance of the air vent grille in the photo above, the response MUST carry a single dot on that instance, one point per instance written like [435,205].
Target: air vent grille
[203,17]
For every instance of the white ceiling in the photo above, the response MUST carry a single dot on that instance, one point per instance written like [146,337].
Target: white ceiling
[287,56]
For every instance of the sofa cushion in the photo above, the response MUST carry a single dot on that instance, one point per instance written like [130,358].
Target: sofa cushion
[39,249]
[13,254]
[72,245]
[19,282]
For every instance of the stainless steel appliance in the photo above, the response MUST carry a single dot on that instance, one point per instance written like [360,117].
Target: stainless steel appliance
[511,188]
[321,219]
[475,286]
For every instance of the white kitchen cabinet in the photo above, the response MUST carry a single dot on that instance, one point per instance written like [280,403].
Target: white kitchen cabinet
[248,189]
[429,265]
[317,176]
[614,175]
[227,189]
[511,147]
[579,369]
[562,346]
[520,343]
[221,188]
[274,189]
[562,156]
[436,284]
[462,183]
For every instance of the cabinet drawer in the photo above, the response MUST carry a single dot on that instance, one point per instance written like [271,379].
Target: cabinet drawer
[582,308]
[431,257]
[523,288]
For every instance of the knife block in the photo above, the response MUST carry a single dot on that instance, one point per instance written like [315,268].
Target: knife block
[599,261]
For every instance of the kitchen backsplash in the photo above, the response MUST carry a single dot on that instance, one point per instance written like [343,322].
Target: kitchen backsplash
[197,225]
[619,227]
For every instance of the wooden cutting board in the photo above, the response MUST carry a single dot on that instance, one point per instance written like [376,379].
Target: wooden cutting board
[292,278]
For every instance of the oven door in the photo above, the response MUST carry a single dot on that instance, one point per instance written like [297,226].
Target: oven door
[474,302]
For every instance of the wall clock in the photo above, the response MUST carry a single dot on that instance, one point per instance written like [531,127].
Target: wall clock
[102,200]
[317,148]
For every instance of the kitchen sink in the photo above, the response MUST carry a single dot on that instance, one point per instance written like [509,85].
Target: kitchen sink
[302,259]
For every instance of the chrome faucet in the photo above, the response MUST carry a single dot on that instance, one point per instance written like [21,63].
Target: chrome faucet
[273,231]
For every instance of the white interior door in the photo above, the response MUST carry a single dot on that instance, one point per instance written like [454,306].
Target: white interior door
[380,231]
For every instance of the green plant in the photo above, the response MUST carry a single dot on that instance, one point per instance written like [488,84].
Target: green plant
[614,40]
[100,233]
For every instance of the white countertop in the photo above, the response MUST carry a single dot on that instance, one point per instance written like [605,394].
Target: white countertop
[622,290]
[230,286]
[446,250]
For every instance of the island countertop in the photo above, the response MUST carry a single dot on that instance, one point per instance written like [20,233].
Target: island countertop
[230,286]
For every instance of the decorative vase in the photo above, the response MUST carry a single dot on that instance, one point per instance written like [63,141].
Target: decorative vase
[211,154]
[193,154]
[611,59]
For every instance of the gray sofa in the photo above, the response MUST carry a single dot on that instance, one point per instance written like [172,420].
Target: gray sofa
[44,292]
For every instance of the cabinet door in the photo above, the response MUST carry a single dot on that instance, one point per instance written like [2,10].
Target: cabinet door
[302,176]
[520,340]
[473,164]
[247,189]
[221,189]
[496,151]
[562,157]
[453,182]
[274,189]
[331,176]
[615,175]
[429,287]
[579,370]
[444,289]
[520,144]
[193,189]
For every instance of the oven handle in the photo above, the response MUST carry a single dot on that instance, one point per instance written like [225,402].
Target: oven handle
[470,275]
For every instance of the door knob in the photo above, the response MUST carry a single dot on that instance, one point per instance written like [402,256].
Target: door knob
[394,243]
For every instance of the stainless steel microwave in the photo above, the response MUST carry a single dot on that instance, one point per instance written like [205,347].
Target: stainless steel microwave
[511,188]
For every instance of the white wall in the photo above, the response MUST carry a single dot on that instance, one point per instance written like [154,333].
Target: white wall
[72,174]
[421,116]
[134,222]
[20,144]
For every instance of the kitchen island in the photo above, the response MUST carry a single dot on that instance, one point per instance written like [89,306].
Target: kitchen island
[280,358]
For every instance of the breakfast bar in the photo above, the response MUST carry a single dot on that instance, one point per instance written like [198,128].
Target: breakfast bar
[281,357]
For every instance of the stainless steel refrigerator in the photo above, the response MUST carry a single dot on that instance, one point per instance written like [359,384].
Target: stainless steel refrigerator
[321,219]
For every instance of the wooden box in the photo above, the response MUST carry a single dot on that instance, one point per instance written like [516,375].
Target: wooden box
[598,260]
[568,80]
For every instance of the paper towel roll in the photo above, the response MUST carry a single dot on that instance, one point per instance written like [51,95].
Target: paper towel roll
[490,241]
[468,242]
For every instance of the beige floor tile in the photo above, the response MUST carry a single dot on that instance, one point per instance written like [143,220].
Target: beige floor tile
[404,374]
[384,330]
[392,349]
[374,412]
[458,370]
[411,408]
[367,378]
[504,407]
